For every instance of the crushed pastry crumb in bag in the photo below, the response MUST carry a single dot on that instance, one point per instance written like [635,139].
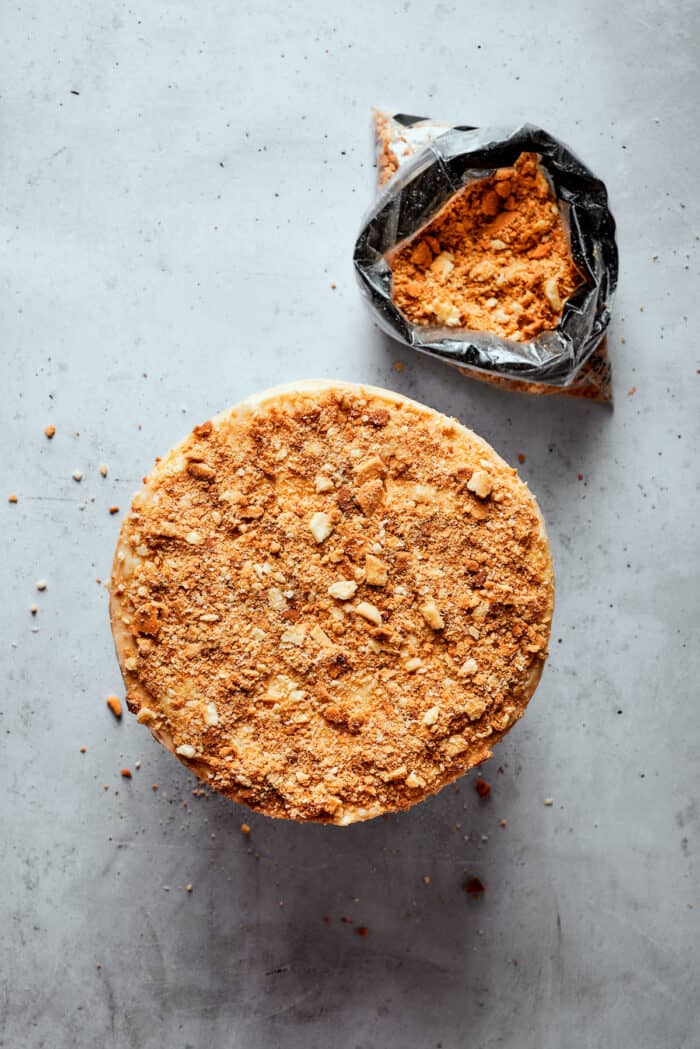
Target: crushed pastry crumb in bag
[466,255]
[496,258]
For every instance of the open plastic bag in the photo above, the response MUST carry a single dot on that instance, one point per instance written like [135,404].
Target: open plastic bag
[421,166]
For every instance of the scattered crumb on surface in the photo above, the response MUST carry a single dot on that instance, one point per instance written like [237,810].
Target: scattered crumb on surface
[502,823]
[245,829]
[189,887]
[426,879]
[50,430]
[632,390]
[549,802]
[114,509]
[521,457]
[399,366]
[482,788]
[12,498]
[474,886]
[83,750]
[125,773]
[115,705]
[34,609]
[137,764]
[361,930]
[103,469]
[77,475]
[154,786]
[41,584]
[579,477]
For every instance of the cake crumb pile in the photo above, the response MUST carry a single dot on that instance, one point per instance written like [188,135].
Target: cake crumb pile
[331,603]
[495,258]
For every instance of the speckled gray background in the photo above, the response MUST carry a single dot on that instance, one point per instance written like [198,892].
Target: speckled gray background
[181,182]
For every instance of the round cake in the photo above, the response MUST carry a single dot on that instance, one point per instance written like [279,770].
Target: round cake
[330,601]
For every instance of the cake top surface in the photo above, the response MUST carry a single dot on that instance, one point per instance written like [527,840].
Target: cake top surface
[330,601]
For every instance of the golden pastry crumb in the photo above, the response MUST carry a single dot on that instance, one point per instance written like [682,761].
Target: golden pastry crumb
[317,671]
[115,705]
[495,258]
[387,161]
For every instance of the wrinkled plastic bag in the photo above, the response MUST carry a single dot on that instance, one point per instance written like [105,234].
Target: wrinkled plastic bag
[421,165]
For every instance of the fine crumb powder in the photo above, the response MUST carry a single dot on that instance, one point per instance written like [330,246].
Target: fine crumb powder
[496,258]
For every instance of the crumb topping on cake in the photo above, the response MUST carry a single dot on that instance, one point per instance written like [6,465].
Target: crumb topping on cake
[332,602]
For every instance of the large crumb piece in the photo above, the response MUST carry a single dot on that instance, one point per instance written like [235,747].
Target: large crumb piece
[115,705]
[343,590]
[431,614]
[369,612]
[320,526]
[480,484]
[376,571]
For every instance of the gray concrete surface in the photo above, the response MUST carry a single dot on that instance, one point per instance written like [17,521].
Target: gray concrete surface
[180,185]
